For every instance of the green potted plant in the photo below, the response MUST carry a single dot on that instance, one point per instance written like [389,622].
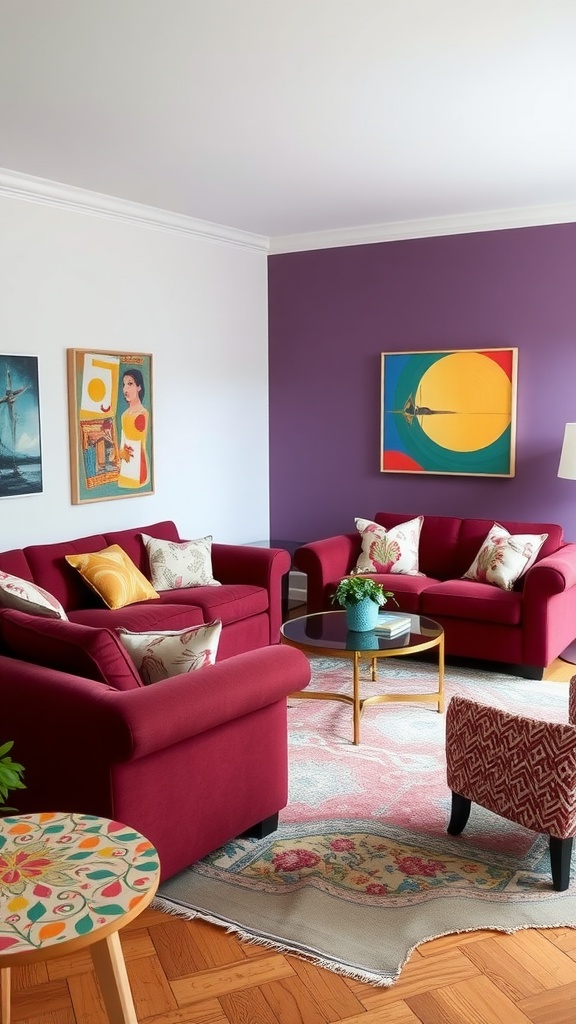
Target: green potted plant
[361,597]
[10,776]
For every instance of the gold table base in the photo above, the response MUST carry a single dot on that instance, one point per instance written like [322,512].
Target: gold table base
[359,703]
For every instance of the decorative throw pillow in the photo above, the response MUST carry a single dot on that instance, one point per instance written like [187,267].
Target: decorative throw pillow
[389,551]
[25,596]
[503,557]
[113,576]
[176,564]
[160,654]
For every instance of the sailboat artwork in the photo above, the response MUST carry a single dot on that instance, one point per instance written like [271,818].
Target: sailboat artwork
[449,412]
[20,448]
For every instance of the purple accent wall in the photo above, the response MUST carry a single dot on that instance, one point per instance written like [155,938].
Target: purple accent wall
[333,311]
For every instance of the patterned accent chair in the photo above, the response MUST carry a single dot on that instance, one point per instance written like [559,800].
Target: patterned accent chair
[520,768]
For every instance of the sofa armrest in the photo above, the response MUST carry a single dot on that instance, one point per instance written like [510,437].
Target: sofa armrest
[553,574]
[258,567]
[92,725]
[325,561]
[175,709]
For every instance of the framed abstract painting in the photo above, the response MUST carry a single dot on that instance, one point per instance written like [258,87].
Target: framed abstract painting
[111,424]
[450,411]
[20,447]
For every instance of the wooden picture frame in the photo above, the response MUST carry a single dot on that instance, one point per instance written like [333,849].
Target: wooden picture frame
[111,424]
[450,411]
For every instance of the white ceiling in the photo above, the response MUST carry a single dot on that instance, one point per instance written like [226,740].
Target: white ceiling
[286,117]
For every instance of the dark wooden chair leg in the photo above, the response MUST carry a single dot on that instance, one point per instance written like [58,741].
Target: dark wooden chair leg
[262,828]
[560,857]
[460,814]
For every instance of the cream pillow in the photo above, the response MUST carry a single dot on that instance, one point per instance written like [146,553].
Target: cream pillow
[389,551]
[504,557]
[113,576]
[160,654]
[25,596]
[176,564]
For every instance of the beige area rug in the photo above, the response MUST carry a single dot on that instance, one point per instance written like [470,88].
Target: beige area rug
[361,870]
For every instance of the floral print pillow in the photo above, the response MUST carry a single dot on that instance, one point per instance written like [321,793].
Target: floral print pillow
[177,564]
[28,597]
[160,654]
[504,557]
[389,551]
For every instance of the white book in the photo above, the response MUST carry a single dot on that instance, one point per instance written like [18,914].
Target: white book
[390,624]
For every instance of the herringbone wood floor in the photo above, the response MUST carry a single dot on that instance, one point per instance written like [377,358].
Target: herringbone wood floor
[191,972]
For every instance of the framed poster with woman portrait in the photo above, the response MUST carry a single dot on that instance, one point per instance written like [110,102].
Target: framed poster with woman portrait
[111,424]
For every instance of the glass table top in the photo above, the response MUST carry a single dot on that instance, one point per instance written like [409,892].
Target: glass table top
[329,631]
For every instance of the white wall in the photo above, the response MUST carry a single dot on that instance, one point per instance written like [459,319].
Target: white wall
[72,279]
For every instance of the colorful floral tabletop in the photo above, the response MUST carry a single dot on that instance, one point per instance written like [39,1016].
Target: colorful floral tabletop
[65,875]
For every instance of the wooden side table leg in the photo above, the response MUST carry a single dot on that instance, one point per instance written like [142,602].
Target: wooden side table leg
[5,988]
[110,968]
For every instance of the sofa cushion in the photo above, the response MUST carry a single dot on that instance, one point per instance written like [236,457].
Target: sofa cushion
[28,597]
[70,647]
[503,557]
[113,576]
[230,602]
[160,654]
[140,617]
[177,564]
[50,569]
[131,540]
[393,550]
[438,543]
[464,599]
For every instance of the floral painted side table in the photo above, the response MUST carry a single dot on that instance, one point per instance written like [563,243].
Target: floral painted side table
[68,881]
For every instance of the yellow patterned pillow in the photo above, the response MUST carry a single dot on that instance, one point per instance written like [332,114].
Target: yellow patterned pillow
[113,576]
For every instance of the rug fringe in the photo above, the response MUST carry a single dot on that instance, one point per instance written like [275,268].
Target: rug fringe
[356,973]
[347,970]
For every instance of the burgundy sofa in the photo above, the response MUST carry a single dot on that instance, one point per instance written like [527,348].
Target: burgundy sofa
[248,602]
[191,762]
[526,627]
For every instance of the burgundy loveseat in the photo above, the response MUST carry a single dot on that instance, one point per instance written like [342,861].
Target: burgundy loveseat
[191,762]
[526,627]
[249,602]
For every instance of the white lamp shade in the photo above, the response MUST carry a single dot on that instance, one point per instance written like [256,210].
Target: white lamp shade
[567,467]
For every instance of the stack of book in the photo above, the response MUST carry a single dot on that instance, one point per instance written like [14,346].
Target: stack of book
[391,624]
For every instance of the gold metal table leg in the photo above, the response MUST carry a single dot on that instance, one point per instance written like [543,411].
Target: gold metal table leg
[356,698]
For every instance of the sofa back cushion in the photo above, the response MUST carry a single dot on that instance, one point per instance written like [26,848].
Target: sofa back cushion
[51,570]
[131,541]
[438,541]
[86,651]
[15,563]
[473,533]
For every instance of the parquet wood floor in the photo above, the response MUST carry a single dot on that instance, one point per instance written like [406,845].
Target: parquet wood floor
[191,972]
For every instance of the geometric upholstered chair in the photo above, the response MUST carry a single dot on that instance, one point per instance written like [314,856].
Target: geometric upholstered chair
[520,768]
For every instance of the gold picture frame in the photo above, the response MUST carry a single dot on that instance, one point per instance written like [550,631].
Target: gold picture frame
[449,411]
[111,424]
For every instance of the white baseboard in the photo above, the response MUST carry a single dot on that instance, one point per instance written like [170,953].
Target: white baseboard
[297,586]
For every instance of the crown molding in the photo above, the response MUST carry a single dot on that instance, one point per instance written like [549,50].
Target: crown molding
[493,220]
[14,185]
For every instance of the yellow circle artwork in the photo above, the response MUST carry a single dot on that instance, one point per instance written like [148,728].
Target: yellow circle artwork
[474,387]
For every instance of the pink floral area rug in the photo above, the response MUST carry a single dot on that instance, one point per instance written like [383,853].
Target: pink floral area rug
[362,870]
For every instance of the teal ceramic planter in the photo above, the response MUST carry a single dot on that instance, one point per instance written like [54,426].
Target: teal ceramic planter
[362,616]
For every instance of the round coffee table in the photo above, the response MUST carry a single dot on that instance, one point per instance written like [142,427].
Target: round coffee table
[326,634]
[68,881]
